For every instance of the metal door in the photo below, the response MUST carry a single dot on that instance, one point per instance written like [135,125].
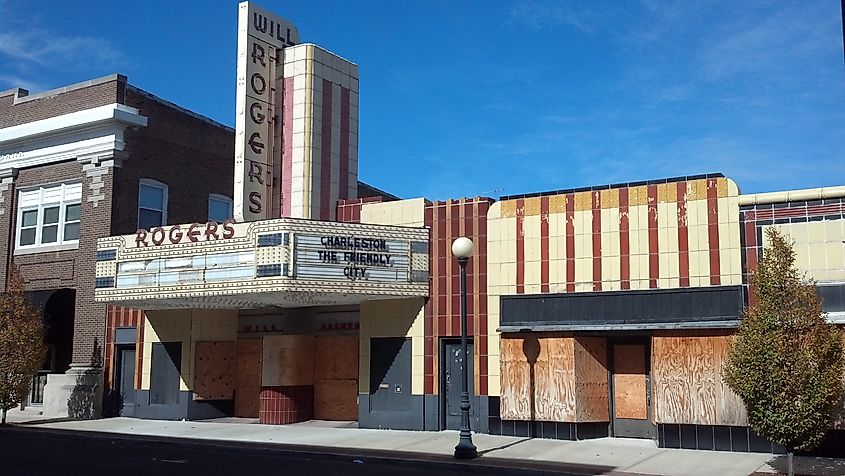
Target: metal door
[631,393]
[165,378]
[453,364]
[126,380]
[390,381]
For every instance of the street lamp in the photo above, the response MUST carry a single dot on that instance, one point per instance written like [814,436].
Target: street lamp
[462,249]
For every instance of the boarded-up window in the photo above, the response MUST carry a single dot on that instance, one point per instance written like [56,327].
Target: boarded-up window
[336,378]
[214,371]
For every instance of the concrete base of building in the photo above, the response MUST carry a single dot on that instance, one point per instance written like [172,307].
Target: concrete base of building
[421,412]
[714,437]
[76,394]
[182,407]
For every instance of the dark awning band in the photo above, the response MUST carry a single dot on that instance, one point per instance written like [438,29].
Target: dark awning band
[704,307]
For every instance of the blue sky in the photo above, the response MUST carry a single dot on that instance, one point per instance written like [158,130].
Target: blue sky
[499,98]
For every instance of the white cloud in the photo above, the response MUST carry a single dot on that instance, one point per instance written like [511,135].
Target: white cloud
[42,47]
[538,15]
[768,44]
[34,57]
[8,81]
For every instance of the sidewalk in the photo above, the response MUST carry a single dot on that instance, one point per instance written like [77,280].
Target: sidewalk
[615,454]
[30,415]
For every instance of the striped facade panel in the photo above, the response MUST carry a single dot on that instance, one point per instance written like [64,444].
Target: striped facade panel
[667,234]
[449,220]
[117,316]
[319,133]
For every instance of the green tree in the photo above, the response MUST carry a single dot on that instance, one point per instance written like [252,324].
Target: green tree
[786,362]
[21,343]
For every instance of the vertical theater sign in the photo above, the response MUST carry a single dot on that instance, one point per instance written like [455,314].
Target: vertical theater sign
[262,38]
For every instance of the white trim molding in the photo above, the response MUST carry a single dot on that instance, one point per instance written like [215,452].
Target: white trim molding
[792,195]
[94,133]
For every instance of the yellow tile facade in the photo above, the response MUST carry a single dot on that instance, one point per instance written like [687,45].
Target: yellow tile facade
[187,326]
[392,318]
[400,212]
[819,248]
[610,198]
[395,317]
[502,238]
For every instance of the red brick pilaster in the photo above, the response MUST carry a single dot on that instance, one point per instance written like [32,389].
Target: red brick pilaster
[7,221]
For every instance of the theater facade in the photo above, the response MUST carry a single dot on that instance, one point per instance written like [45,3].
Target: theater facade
[600,311]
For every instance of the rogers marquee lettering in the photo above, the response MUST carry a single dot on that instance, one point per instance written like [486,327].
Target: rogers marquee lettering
[351,257]
[195,232]
[262,36]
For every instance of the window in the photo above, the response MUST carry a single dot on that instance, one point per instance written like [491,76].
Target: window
[219,207]
[49,216]
[152,204]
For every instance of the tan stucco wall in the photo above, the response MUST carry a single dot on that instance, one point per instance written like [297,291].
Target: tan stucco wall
[187,326]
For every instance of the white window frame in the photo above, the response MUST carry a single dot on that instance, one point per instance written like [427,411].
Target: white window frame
[62,202]
[160,185]
[220,198]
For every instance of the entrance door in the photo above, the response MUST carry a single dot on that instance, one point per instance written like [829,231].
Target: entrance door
[631,393]
[453,364]
[126,379]
[248,378]
[391,403]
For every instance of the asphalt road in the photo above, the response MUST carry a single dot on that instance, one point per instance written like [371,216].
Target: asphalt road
[32,451]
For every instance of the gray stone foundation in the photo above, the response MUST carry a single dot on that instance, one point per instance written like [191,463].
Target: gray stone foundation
[76,394]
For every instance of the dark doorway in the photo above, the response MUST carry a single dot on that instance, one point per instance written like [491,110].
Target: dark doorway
[58,315]
[125,378]
[57,309]
[451,367]
[630,383]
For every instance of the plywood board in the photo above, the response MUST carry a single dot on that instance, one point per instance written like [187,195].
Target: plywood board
[515,384]
[336,377]
[542,389]
[629,381]
[701,358]
[555,380]
[336,357]
[336,400]
[591,385]
[730,409]
[248,378]
[214,370]
[687,382]
[545,384]
[287,360]
[671,380]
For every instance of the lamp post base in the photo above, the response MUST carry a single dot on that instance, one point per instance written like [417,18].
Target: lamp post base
[465,449]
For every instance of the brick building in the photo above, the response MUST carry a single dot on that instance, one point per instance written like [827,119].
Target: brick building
[90,160]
